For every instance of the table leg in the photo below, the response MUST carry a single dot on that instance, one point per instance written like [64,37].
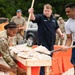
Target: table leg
[28,70]
[47,70]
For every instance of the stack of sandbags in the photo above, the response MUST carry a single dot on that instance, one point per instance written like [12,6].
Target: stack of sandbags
[26,52]
[20,48]
[42,49]
[69,72]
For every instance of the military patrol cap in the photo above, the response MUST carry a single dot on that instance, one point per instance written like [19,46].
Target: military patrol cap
[10,25]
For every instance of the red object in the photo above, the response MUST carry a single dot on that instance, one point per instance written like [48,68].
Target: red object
[34,46]
[61,61]
[34,70]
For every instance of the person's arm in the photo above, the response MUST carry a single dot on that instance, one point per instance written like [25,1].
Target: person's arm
[68,42]
[69,34]
[23,26]
[31,11]
[59,32]
[5,68]
[4,50]
[69,39]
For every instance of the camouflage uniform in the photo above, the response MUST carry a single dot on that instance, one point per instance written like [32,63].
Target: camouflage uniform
[61,26]
[20,22]
[4,49]
[13,41]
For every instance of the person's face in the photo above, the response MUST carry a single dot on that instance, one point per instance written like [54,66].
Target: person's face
[47,12]
[70,12]
[19,14]
[61,21]
[11,31]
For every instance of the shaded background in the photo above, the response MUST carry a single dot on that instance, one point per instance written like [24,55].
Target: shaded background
[9,7]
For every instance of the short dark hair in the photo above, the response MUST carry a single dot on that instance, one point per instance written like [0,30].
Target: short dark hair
[70,5]
[10,25]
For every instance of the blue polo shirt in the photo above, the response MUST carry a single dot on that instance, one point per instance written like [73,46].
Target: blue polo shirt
[46,30]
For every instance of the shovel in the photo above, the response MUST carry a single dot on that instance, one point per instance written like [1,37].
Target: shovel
[28,20]
[60,49]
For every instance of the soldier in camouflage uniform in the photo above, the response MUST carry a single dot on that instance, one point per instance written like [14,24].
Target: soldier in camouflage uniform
[61,24]
[11,29]
[4,51]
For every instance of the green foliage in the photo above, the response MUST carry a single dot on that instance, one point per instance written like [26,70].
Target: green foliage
[8,7]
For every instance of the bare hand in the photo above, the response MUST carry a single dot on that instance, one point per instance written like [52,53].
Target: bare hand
[14,70]
[64,48]
[62,36]
[20,70]
[31,10]
[3,70]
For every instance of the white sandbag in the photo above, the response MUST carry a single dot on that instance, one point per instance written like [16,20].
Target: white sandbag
[4,73]
[42,49]
[69,72]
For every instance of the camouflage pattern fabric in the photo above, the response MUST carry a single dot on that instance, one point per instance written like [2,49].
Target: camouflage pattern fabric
[61,26]
[12,41]
[4,51]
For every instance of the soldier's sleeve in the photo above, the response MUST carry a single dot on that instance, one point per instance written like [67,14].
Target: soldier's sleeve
[63,28]
[4,50]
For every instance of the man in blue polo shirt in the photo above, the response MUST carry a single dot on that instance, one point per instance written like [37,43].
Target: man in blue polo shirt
[47,27]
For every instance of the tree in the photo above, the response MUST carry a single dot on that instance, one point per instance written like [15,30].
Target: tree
[8,7]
